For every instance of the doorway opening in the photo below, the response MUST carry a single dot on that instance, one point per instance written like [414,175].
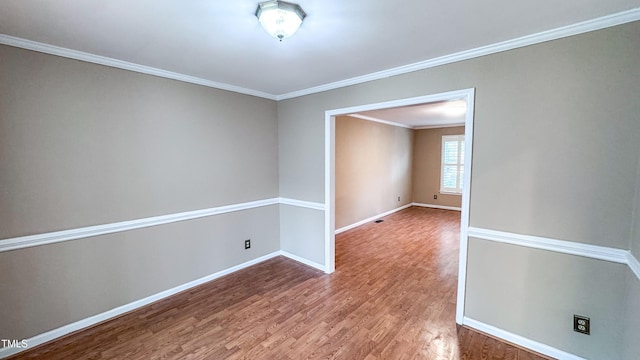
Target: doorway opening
[466,95]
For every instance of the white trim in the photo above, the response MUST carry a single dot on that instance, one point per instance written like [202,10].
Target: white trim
[465,202]
[329,192]
[438,206]
[381,121]
[84,232]
[124,65]
[449,95]
[302,260]
[633,263]
[520,340]
[450,193]
[553,34]
[459,139]
[437,126]
[22,242]
[560,246]
[370,219]
[90,321]
[329,180]
[393,123]
[302,203]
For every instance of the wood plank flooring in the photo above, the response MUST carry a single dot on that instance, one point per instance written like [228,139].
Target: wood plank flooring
[392,297]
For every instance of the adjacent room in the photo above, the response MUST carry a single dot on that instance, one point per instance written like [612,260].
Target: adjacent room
[183,180]
[391,158]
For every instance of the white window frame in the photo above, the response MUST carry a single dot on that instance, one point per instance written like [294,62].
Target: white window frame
[459,165]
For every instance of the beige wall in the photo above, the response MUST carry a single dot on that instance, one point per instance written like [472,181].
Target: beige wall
[45,287]
[558,120]
[427,167]
[373,169]
[295,237]
[83,144]
[631,347]
[632,310]
[377,163]
[513,301]
[568,85]
[634,245]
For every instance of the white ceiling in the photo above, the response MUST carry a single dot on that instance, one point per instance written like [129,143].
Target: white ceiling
[429,115]
[222,41]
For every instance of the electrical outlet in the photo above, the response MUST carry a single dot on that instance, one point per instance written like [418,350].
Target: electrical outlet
[581,324]
[398,198]
[435,196]
[247,244]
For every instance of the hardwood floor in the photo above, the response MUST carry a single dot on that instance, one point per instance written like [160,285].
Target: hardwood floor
[392,297]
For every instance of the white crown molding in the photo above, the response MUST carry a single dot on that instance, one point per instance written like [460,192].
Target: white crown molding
[560,246]
[124,65]
[553,34]
[449,95]
[519,340]
[302,203]
[442,207]
[633,264]
[393,123]
[386,122]
[367,220]
[96,319]
[84,232]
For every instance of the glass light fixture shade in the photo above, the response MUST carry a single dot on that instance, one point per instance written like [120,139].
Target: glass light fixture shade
[280,19]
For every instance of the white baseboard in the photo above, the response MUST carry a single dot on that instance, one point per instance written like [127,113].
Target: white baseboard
[93,320]
[362,222]
[520,340]
[302,260]
[437,206]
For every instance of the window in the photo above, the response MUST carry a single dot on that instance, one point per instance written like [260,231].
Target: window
[452,170]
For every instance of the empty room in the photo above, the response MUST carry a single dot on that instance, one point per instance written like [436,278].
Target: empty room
[205,180]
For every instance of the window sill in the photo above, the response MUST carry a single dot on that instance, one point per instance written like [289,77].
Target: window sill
[450,193]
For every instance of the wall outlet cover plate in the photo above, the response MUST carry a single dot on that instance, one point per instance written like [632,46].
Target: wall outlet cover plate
[581,324]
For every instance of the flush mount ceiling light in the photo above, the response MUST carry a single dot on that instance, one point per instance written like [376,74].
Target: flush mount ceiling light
[451,108]
[455,108]
[280,19]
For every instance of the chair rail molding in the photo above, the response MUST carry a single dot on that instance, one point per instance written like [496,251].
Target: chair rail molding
[22,242]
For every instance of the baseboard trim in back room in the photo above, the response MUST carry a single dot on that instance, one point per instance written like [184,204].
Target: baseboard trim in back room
[375,217]
[362,222]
